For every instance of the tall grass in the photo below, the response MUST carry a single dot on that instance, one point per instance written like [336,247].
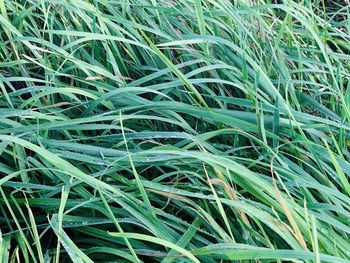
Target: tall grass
[174,131]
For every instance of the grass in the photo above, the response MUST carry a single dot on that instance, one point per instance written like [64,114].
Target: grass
[174,131]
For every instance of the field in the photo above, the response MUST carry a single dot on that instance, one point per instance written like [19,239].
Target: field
[174,131]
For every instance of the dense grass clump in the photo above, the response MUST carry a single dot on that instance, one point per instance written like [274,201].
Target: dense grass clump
[174,131]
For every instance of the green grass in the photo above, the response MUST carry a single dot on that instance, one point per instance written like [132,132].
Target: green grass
[174,131]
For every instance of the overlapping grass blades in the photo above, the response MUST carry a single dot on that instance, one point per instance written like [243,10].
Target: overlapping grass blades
[174,131]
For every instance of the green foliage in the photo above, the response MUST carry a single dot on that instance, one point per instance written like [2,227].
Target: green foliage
[174,131]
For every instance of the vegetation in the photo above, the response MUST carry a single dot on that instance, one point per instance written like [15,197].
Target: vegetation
[174,131]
